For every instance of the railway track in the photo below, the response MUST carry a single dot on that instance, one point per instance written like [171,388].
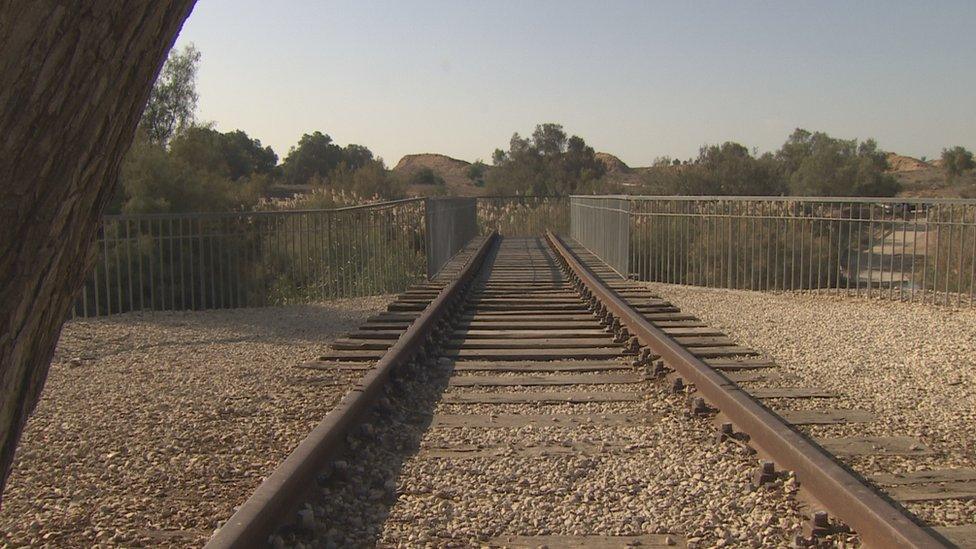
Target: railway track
[529,397]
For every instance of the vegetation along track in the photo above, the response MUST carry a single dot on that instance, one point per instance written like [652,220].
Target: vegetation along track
[526,397]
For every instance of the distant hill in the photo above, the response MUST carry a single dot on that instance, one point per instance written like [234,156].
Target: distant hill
[618,171]
[612,163]
[920,179]
[454,172]
[900,163]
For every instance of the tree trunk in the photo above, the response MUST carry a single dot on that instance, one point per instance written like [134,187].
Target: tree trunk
[74,78]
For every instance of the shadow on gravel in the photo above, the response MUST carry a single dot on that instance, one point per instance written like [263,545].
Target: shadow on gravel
[354,496]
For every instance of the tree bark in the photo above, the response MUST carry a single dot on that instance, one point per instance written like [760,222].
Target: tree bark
[74,78]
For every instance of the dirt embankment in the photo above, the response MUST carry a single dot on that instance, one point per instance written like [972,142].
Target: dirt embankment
[453,171]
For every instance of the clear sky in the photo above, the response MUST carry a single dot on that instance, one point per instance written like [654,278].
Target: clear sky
[636,79]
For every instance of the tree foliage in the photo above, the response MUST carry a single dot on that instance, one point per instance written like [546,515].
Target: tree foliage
[957,160]
[548,163]
[425,176]
[173,99]
[316,156]
[233,154]
[194,175]
[476,172]
[819,165]
[370,181]
[810,164]
[726,169]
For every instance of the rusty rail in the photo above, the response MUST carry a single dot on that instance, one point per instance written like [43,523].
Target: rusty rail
[876,520]
[281,492]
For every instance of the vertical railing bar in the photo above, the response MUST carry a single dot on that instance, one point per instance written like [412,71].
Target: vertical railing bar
[870,288]
[819,260]
[962,253]
[162,265]
[181,248]
[972,260]
[214,299]
[860,222]
[813,255]
[727,252]
[172,267]
[948,260]
[793,219]
[330,239]
[108,270]
[226,277]
[118,265]
[152,268]
[203,267]
[315,249]
[903,224]
[915,250]
[190,238]
[891,261]
[128,261]
[95,286]
[938,255]
[234,260]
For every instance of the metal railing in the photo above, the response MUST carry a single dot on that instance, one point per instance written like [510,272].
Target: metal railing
[601,223]
[455,222]
[229,260]
[919,250]
[523,215]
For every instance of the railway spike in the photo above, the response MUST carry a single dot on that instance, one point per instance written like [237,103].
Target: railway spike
[678,385]
[725,432]
[700,408]
[645,358]
[633,344]
[821,526]
[660,368]
[765,474]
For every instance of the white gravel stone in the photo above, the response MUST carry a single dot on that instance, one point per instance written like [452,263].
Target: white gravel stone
[912,365]
[664,476]
[153,427]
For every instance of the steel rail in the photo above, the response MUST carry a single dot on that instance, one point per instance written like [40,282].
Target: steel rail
[285,488]
[876,520]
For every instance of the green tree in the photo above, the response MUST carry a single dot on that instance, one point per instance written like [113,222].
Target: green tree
[314,156]
[548,163]
[726,169]
[173,99]
[956,160]
[476,172]
[245,156]
[425,176]
[549,139]
[819,165]
[498,157]
[233,154]
[370,181]
[356,156]
[183,179]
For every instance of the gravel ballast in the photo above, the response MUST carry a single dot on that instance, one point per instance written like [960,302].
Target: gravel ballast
[153,427]
[664,476]
[912,365]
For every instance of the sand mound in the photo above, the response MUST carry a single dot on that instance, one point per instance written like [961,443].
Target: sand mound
[612,163]
[899,163]
[454,172]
